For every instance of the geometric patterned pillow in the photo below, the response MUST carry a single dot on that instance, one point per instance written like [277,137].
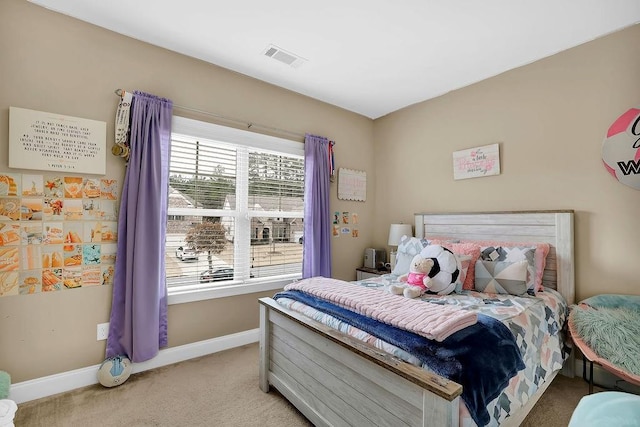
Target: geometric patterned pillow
[440,240]
[542,250]
[513,254]
[501,277]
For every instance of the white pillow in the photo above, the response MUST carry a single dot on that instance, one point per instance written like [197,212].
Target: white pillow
[407,249]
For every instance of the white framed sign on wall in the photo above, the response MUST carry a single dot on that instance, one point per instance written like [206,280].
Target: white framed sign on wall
[352,185]
[53,142]
[476,162]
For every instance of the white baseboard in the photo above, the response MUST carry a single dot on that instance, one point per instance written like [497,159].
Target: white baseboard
[67,381]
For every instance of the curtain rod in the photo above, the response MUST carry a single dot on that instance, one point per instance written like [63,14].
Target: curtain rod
[249,125]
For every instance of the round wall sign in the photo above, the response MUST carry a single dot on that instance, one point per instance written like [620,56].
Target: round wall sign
[621,149]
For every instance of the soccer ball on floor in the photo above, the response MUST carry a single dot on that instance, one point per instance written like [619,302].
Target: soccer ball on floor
[114,371]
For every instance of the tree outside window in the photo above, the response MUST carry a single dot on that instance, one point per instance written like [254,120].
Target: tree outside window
[209,237]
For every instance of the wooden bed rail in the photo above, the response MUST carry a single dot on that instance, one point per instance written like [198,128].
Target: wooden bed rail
[443,387]
[335,380]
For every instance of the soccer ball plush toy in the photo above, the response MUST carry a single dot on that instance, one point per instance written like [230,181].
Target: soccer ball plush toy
[445,271]
[434,269]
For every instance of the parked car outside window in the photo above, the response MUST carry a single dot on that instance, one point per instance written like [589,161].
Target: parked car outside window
[184,254]
[217,275]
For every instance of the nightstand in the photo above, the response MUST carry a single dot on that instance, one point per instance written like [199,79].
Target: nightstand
[366,273]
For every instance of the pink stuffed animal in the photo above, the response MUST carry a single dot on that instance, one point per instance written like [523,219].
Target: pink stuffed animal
[417,280]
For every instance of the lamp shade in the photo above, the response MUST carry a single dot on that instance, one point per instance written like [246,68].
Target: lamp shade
[396,231]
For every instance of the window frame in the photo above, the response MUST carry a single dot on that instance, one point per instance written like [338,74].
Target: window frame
[249,140]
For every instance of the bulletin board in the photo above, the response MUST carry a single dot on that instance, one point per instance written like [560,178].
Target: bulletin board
[352,185]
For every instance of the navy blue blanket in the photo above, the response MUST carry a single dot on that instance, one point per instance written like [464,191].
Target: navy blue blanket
[482,358]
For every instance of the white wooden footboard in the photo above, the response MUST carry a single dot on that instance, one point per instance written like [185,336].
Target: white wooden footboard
[335,380]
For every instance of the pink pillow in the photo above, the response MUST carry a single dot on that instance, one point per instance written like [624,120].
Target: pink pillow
[465,261]
[471,249]
[539,258]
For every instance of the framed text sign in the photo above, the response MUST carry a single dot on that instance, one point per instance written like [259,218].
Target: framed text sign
[53,142]
[352,185]
[476,162]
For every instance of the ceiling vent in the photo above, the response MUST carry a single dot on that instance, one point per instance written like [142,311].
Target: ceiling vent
[283,56]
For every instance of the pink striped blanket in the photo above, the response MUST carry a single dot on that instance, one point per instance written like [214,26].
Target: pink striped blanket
[432,321]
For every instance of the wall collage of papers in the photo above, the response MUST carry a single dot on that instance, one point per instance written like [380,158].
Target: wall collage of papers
[56,232]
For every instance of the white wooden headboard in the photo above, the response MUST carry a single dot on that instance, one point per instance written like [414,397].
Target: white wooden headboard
[553,227]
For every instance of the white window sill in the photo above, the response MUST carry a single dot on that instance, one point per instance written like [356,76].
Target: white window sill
[199,293]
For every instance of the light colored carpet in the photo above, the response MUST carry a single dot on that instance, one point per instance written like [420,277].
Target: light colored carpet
[220,390]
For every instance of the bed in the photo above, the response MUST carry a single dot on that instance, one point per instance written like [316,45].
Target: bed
[339,378]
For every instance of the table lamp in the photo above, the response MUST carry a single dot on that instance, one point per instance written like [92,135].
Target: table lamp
[396,231]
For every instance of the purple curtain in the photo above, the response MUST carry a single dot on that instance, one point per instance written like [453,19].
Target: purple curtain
[138,324]
[316,258]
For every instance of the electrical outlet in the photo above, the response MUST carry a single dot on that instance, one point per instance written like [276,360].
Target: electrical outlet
[103,331]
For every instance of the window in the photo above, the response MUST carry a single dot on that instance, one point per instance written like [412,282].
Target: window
[236,208]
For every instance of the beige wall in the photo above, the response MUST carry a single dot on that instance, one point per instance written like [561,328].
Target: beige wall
[50,62]
[550,118]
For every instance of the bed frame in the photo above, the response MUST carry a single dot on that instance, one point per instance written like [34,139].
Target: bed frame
[336,380]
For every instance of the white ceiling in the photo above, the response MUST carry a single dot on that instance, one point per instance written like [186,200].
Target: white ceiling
[371,57]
